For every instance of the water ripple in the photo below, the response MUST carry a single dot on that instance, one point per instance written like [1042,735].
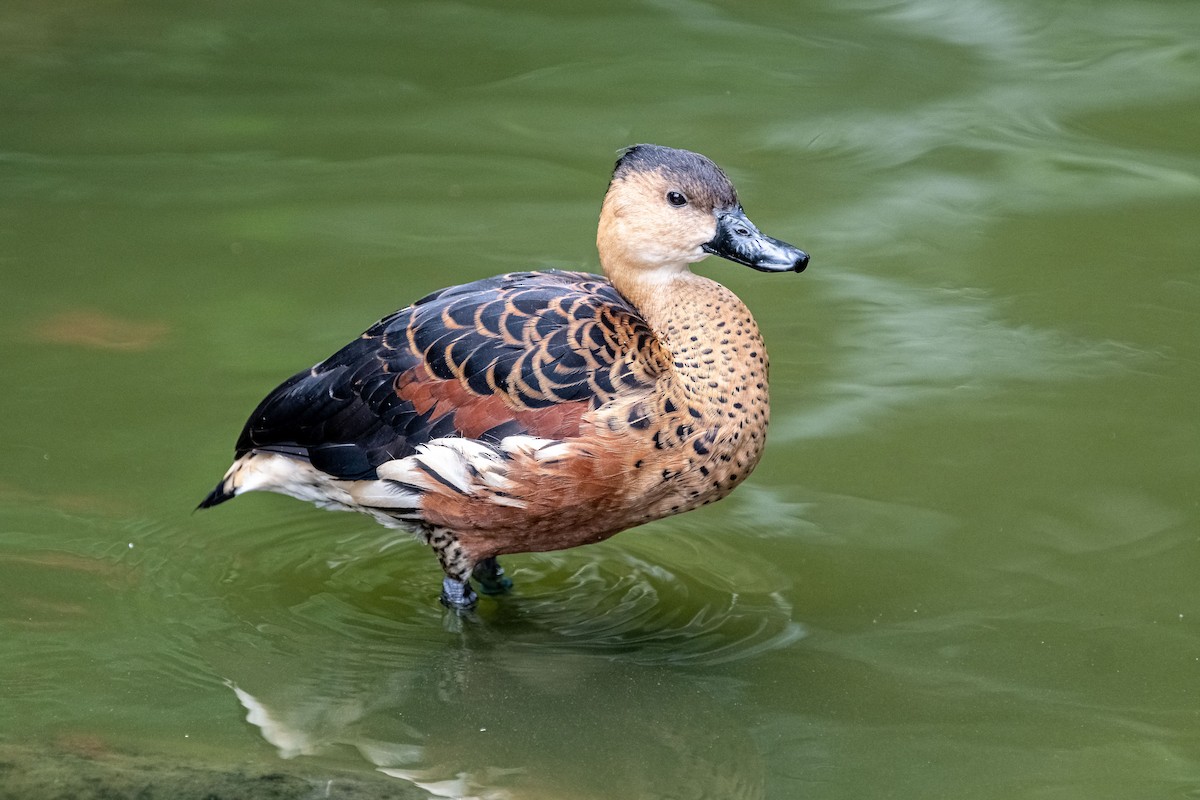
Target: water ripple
[629,608]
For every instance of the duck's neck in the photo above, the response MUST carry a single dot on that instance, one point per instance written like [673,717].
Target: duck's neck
[657,294]
[718,356]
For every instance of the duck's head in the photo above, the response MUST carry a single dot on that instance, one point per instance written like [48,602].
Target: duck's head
[667,208]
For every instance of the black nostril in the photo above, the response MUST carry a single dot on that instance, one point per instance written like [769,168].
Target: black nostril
[801,262]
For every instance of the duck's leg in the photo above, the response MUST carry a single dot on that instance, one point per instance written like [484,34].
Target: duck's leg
[458,594]
[491,577]
[456,586]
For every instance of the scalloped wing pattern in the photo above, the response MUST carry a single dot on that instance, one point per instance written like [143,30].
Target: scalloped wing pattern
[525,353]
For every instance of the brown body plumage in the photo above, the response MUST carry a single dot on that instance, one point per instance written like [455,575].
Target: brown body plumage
[542,410]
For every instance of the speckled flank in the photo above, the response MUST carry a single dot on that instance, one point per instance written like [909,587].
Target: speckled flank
[539,410]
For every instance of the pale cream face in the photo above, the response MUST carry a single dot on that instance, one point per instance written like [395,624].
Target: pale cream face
[649,222]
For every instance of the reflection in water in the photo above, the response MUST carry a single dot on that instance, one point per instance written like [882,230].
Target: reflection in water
[579,684]
[476,719]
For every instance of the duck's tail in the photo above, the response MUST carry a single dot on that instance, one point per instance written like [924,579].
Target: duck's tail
[275,472]
[217,496]
[229,487]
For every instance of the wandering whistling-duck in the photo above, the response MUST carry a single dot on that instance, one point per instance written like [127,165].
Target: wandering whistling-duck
[536,411]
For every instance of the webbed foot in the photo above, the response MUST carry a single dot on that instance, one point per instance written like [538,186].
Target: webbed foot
[458,595]
[491,577]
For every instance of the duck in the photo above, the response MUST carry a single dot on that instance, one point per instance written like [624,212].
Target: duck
[542,410]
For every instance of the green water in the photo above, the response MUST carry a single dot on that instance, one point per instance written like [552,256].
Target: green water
[966,568]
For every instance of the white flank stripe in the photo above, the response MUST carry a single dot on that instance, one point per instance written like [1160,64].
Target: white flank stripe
[466,464]
[552,451]
[525,445]
[448,462]
[383,494]
[404,470]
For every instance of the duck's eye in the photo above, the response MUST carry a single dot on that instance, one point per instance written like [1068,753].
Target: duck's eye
[676,199]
